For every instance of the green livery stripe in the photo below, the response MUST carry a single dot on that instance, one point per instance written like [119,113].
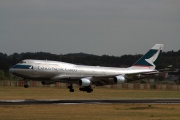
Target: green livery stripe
[23,67]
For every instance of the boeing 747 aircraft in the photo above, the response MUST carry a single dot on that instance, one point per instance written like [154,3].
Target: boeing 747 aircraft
[49,72]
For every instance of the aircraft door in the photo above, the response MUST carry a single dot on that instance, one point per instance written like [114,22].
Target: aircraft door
[36,69]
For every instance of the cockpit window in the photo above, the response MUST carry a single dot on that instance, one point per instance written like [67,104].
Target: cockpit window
[22,62]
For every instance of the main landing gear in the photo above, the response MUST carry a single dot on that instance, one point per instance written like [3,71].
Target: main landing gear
[87,89]
[26,84]
[70,87]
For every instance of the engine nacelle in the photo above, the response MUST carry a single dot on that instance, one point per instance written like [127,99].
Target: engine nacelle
[119,79]
[85,82]
[47,82]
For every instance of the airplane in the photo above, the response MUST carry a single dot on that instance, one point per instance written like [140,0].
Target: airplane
[50,72]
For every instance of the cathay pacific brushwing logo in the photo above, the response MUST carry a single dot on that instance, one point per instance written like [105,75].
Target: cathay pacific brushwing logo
[31,67]
[153,58]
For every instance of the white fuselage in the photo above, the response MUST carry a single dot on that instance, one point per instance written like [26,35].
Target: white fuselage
[42,69]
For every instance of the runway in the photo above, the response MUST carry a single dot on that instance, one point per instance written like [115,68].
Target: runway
[123,101]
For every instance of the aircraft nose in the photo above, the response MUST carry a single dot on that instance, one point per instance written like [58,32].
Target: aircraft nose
[11,70]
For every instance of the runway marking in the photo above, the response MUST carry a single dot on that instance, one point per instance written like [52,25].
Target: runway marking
[123,101]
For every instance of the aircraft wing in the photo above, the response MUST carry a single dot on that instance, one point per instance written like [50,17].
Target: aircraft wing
[100,80]
[75,79]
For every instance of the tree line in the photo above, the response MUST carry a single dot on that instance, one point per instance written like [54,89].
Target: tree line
[6,61]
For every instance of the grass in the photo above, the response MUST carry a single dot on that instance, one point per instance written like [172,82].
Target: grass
[16,93]
[91,112]
[87,111]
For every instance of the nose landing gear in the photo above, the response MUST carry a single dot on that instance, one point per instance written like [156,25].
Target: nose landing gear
[26,84]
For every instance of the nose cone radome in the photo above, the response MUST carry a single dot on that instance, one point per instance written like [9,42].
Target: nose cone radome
[11,70]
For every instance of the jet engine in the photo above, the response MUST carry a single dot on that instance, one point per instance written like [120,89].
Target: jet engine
[47,82]
[119,79]
[85,82]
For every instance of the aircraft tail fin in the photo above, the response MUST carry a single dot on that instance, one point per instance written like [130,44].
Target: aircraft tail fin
[150,58]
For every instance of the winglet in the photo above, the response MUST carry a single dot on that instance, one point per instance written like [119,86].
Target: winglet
[150,58]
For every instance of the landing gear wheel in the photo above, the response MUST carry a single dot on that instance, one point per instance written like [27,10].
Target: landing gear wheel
[70,87]
[26,86]
[71,90]
[87,89]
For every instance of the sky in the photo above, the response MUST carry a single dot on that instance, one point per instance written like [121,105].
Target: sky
[111,27]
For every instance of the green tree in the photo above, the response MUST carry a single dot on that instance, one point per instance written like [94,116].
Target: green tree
[8,75]
[178,81]
[2,77]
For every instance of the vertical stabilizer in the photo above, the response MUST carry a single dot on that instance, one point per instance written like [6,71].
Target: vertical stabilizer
[150,58]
